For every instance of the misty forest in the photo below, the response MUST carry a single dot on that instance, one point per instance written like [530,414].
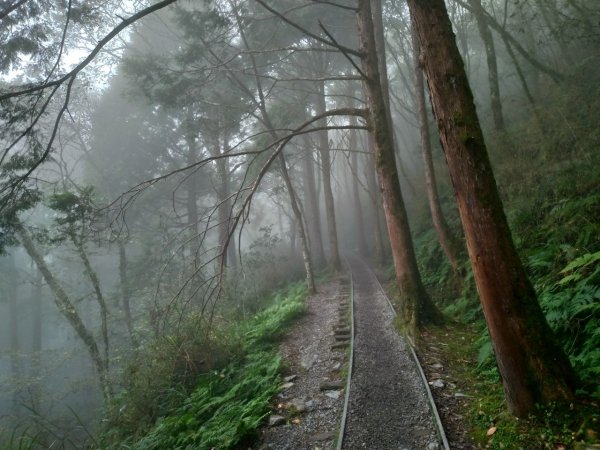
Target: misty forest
[300,224]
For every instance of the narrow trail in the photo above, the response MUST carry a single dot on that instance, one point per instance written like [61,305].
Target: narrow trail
[388,406]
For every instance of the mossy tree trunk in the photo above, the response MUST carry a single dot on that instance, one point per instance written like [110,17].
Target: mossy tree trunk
[533,367]
[67,309]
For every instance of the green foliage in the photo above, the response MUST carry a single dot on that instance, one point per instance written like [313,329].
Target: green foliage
[164,371]
[206,386]
[572,306]
[74,210]
[549,188]
[225,407]
[268,325]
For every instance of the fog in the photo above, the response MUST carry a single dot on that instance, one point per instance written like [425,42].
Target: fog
[163,193]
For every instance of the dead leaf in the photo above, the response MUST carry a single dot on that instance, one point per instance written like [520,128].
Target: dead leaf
[491,431]
[296,421]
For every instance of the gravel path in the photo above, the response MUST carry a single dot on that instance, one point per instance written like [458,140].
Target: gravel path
[388,406]
[305,416]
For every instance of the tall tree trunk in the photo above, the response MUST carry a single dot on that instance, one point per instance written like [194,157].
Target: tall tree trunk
[492,63]
[67,309]
[192,192]
[311,205]
[320,107]
[310,281]
[531,59]
[36,338]
[534,368]
[293,233]
[223,194]
[13,317]
[448,241]
[261,104]
[375,196]
[93,276]
[378,30]
[417,307]
[357,207]
[126,294]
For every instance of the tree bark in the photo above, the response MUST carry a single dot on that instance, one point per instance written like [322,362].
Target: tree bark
[310,282]
[91,273]
[494,25]
[417,308]
[311,203]
[36,338]
[67,309]
[320,106]
[192,190]
[126,294]
[13,317]
[448,241]
[533,367]
[492,64]
[375,196]
[357,207]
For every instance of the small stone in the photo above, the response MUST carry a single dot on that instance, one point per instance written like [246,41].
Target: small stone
[333,394]
[308,361]
[433,446]
[290,378]
[298,405]
[437,366]
[342,331]
[322,436]
[437,384]
[332,385]
[461,395]
[275,420]
[287,385]
[337,366]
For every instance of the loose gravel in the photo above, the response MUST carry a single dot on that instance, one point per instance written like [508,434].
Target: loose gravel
[388,407]
[306,416]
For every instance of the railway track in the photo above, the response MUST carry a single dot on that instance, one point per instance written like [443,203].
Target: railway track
[388,404]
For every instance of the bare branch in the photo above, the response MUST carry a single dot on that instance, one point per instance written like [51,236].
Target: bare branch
[11,8]
[348,50]
[105,40]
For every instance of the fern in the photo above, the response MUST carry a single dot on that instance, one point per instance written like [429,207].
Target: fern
[227,405]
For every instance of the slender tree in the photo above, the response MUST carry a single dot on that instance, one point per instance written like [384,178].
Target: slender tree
[492,63]
[448,241]
[324,152]
[311,203]
[67,309]
[417,307]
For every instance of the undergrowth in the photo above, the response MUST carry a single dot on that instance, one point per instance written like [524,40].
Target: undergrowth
[551,194]
[203,404]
